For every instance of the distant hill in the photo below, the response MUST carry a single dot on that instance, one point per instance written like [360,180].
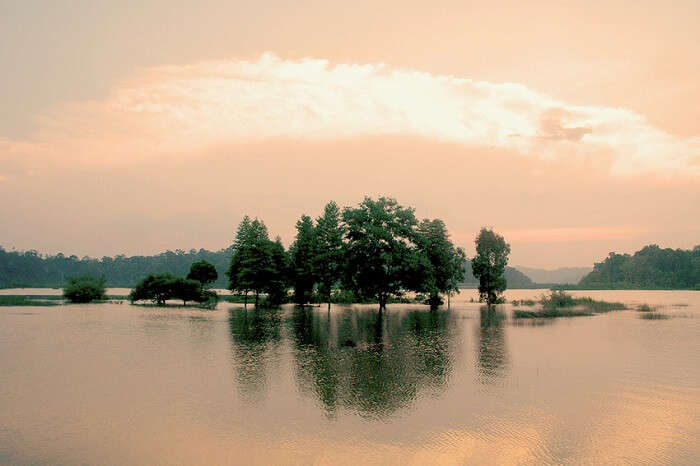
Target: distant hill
[514,278]
[649,268]
[561,275]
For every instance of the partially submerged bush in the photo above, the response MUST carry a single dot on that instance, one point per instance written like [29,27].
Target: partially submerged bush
[646,308]
[550,313]
[653,316]
[524,302]
[161,287]
[84,289]
[560,299]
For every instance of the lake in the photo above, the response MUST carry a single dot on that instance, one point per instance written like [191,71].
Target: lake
[121,384]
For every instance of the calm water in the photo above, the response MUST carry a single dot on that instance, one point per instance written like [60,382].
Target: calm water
[121,384]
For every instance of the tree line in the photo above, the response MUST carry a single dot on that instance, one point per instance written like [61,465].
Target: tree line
[649,268]
[375,251]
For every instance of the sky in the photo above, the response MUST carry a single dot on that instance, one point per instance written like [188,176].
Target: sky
[572,128]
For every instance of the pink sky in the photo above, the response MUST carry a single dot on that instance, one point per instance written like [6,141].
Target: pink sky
[572,129]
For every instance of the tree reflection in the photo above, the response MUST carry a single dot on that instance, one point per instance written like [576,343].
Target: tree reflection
[373,363]
[493,354]
[252,333]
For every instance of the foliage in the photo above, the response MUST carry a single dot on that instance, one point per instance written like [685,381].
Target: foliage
[84,289]
[161,287]
[382,257]
[654,316]
[550,313]
[203,272]
[258,264]
[13,300]
[646,308]
[31,269]
[649,268]
[302,256]
[489,265]
[328,261]
[445,262]
[560,299]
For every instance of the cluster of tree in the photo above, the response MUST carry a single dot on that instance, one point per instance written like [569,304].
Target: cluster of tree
[84,289]
[31,269]
[649,268]
[377,250]
[162,287]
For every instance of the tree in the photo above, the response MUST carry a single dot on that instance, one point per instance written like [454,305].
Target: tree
[382,257]
[329,254]
[277,278]
[84,289]
[445,261]
[301,255]
[164,286]
[203,272]
[489,265]
[157,288]
[257,263]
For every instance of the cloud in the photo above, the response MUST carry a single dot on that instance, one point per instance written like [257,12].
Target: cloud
[171,111]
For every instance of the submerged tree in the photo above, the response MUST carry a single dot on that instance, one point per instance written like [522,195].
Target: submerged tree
[329,250]
[489,265]
[164,286]
[445,261]
[302,256]
[382,257]
[204,272]
[257,264]
[84,289]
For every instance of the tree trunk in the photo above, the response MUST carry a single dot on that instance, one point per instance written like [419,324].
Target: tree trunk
[382,301]
[245,300]
[257,294]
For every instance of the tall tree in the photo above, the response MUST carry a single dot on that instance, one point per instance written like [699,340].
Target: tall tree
[489,265]
[329,254]
[381,255]
[204,272]
[445,261]
[251,264]
[276,278]
[302,256]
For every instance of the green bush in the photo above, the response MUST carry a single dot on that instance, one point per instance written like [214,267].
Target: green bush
[84,289]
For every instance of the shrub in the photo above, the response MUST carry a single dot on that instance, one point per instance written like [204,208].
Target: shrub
[84,289]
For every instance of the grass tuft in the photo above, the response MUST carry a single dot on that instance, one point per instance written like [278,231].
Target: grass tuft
[654,316]
[646,308]
[550,313]
[26,301]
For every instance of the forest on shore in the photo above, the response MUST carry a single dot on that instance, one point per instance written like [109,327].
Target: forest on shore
[30,269]
[652,267]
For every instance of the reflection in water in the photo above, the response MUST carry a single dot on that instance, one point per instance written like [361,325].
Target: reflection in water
[493,355]
[370,362]
[252,333]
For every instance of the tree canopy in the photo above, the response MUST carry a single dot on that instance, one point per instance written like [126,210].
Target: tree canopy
[382,256]
[489,265]
[651,267]
[84,289]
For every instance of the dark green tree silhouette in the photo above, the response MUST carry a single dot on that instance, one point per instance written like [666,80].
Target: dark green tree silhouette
[164,286]
[276,281]
[489,265]
[252,264]
[445,261]
[382,257]
[329,250]
[302,255]
[204,272]
[84,289]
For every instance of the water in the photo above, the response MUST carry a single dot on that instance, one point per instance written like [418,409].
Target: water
[121,384]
